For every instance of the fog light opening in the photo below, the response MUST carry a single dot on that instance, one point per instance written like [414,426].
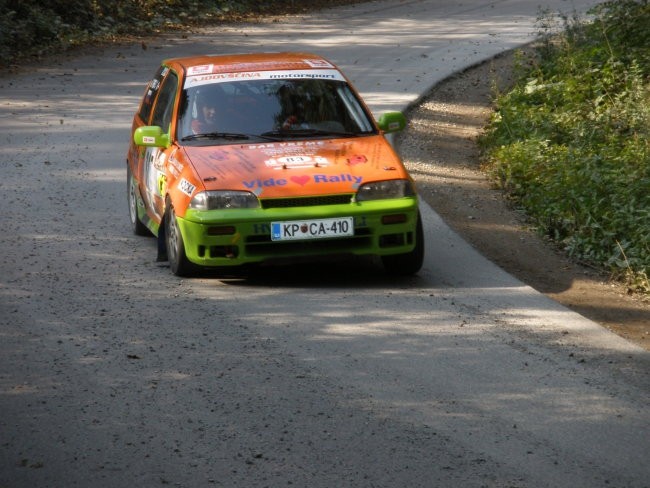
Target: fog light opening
[229,252]
[391,240]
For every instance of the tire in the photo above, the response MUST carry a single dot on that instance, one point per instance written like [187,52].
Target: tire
[408,263]
[178,261]
[139,229]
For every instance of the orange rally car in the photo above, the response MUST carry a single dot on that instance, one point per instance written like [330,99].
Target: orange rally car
[251,158]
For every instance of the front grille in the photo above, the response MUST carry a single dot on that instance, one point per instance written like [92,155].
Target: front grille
[259,245]
[313,247]
[307,201]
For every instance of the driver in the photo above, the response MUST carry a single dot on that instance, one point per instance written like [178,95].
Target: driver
[292,111]
[206,120]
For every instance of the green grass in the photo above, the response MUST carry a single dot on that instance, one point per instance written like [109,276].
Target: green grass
[569,143]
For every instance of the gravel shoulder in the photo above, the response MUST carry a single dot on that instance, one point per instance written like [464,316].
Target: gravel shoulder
[439,148]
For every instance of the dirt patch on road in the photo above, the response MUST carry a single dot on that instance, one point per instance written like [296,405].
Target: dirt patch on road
[439,148]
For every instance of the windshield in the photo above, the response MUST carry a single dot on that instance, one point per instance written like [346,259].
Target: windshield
[270,109]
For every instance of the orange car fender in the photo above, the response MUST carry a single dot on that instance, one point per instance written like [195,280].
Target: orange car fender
[181,182]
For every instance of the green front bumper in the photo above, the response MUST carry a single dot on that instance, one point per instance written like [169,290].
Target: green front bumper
[235,237]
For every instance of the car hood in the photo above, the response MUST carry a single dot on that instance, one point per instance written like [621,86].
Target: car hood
[280,169]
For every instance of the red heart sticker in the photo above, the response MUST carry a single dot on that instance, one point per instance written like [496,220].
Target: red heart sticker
[301,180]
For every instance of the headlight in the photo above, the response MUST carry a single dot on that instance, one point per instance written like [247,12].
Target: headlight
[380,190]
[223,199]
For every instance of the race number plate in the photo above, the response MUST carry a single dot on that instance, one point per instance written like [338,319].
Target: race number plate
[312,229]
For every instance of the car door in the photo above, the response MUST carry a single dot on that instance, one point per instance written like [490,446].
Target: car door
[154,160]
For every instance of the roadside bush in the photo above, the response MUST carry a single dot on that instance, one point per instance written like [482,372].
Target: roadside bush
[570,142]
[32,27]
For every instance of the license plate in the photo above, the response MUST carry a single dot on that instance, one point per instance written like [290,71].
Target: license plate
[312,229]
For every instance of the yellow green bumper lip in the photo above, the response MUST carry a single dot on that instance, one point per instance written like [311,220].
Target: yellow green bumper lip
[236,237]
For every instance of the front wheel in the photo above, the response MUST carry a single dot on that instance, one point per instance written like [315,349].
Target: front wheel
[408,263]
[178,261]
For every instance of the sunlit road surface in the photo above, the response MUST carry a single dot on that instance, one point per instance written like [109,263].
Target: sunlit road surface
[115,373]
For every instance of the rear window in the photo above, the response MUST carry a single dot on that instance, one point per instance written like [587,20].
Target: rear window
[150,94]
[162,114]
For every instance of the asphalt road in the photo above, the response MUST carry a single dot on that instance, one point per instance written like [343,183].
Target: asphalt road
[115,373]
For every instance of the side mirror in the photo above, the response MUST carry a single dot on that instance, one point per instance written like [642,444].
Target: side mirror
[392,122]
[151,136]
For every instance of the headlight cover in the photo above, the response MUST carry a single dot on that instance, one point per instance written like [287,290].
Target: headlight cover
[223,200]
[381,190]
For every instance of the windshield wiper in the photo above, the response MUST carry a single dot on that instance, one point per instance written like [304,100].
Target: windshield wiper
[216,135]
[309,132]
[228,136]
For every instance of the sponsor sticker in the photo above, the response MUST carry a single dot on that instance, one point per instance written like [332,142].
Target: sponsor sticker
[186,187]
[199,70]
[358,159]
[199,79]
[298,161]
[318,63]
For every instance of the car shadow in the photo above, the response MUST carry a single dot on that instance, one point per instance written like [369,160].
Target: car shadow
[346,272]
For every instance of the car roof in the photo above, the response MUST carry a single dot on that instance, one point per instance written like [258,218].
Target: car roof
[234,63]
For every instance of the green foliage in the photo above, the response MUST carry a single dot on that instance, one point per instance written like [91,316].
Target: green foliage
[33,27]
[570,142]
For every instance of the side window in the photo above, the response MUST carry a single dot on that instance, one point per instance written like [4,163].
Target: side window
[150,94]
[162,112]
